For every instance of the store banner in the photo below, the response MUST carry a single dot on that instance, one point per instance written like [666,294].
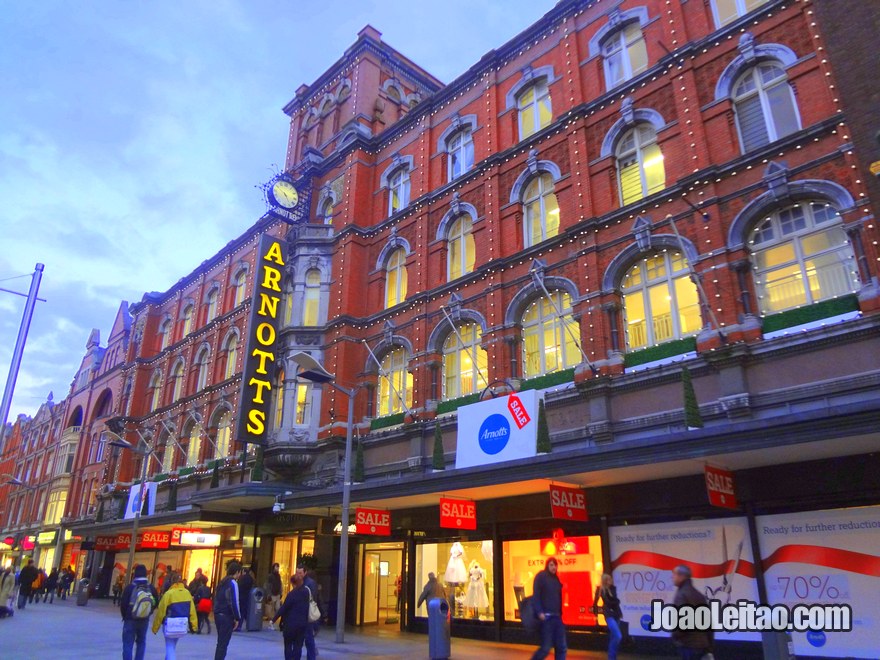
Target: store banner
[105,543]
[458,514]
[721,487]
[149,498]
[718,553]
[177,531]
[200,540]
[372,521]
[568,503]
[826,557]
[47,538]
[498,430]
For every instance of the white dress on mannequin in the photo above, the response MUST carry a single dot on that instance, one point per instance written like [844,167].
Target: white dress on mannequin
[456,572]
[476,592]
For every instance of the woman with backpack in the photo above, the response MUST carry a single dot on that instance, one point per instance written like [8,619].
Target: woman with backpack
[611,609]
[176,615]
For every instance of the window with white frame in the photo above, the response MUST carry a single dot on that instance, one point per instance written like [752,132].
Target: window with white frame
[213,297]
[203,369]
[312,297]
[764,105]
[395,278]
[231,356]
[660,300]
[395,384]
[239,284]
[166,330]
[534,108]
[194,446]
[550,337]
[541,210]
[168,455]
[398,190]
[64,461]
[187,321]
[465,363]
[155,391]
[639,164]
[801,255]
[303,401]
[55,507]
[624,54]
[177,381]
[278,401]
[224,435]
[727,11]
[461,253]
[460,150]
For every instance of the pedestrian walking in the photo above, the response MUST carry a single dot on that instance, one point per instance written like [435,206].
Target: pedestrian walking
[37,586]
[432,589]
[118,587]
[64,583]
[196,582]
[692,644]
[137,602]
[245,584]
[176,615]
[607,592]
[26,579]
[547,597]
[312,630]
[203,603]
[7,591]
[170,578]
[294,615]
[272,588]
[51,585]
[226,610]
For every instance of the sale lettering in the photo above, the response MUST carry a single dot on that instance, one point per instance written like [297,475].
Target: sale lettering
[568,503]
[518,411]
[720,487]
[372,521]
[458,514]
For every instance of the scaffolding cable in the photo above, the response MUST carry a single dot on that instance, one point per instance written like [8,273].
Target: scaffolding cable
[463,345]
[384,375]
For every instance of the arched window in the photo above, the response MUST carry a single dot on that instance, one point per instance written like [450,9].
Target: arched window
[548,345]
[398,190]
[202,366]
[395,385]
[764,106]
[194,447]
[224,435]
[327,211]
[639,164]
[312,297]
[231,356]
[165,332]
[155,391]
[624,54]
[541,210]
[534,109]
[395,278]
[801,255]
[461,252]
[303,401]
[278,395]
[465,363]
[727,11]
[239,284]
[460,149]
[177,381]
[187,321]
[660,300]
[211,314]
[168,457]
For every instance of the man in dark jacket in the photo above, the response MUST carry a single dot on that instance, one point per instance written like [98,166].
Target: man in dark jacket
[226,610]
[692,644]
[294,615]
[26,583]
[432,589]
[245,584]
[312,628]
[134,631]
[547,597]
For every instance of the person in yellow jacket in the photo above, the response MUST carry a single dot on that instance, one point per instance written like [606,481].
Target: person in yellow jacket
[176,614]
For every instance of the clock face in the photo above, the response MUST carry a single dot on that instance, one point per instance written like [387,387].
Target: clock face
[284,194]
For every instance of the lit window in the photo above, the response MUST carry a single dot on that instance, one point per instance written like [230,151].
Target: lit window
[312,297]
[212,306]
[231,357]
[549,338]
[541,210]
[278,397]
[534,109]
[727,11]
[177,377]
[465,363]
[239,284]
[168,456]
[194,448]
[327,211]
[187,320]
[224,434]
[303,404]
[398,189]
[395,384]
[461,153]
[461,253]
[801,255]
[764,106]
[395,278]
[660,301]
[155,391]
[624,54]
[165,333]
[640,164]
[203,368]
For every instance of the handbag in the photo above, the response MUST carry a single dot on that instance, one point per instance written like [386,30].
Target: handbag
[314,610]
[176,626]
[204,606]
[527,614]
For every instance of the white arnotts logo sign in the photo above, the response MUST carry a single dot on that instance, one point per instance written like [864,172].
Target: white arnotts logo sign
[497,430]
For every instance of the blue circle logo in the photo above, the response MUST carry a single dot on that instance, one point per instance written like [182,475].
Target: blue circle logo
[494,434]
[816,638]
[645,621]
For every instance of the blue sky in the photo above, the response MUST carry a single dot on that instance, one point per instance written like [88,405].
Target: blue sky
[133,134]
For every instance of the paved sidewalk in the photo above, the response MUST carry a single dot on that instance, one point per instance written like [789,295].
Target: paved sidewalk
[63,630]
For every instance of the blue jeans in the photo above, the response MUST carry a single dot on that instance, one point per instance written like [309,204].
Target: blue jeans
[171,648]
[134,633]
[552,636]
[311,650]
[224,624]
[615,637]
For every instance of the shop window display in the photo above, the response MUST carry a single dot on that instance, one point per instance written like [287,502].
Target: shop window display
[465,569]
[580,569]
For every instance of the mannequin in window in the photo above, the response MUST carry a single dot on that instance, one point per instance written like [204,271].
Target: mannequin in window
[476,597]
[456,573]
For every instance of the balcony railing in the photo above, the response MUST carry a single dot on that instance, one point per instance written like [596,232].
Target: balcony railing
[71,434]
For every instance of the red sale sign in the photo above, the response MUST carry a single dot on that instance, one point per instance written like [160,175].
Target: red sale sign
[721,488]
[568,503]
[372,521]
[458,514]
[518,411]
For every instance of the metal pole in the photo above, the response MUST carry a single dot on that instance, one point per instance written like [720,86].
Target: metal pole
[19,348]
[137,514]
[346,505]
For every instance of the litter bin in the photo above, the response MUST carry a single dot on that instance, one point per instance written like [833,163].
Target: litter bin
[255,611]
[438,629]
[82,591]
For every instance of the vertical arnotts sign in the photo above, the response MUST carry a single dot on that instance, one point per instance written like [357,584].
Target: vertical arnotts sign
[258,375]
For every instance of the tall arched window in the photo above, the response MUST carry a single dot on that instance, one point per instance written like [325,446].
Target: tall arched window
[166,332]
[327,211]
[398,190]
[533,105]
[177,381]
[168,455]
[460,150]
[213,297]
[187,321]
[303,401]
[395,385]
[639,164]
[194,447]
[764,105]
[224,435]
[541,210]
[465,363]
[549,336]
[239,284]
[461,253]
[395,278]
[624,54]
[231,356]
[155,391]
[801,255]
[660,300]
[727,11]
[203,369]
[312,297]
[278,400]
